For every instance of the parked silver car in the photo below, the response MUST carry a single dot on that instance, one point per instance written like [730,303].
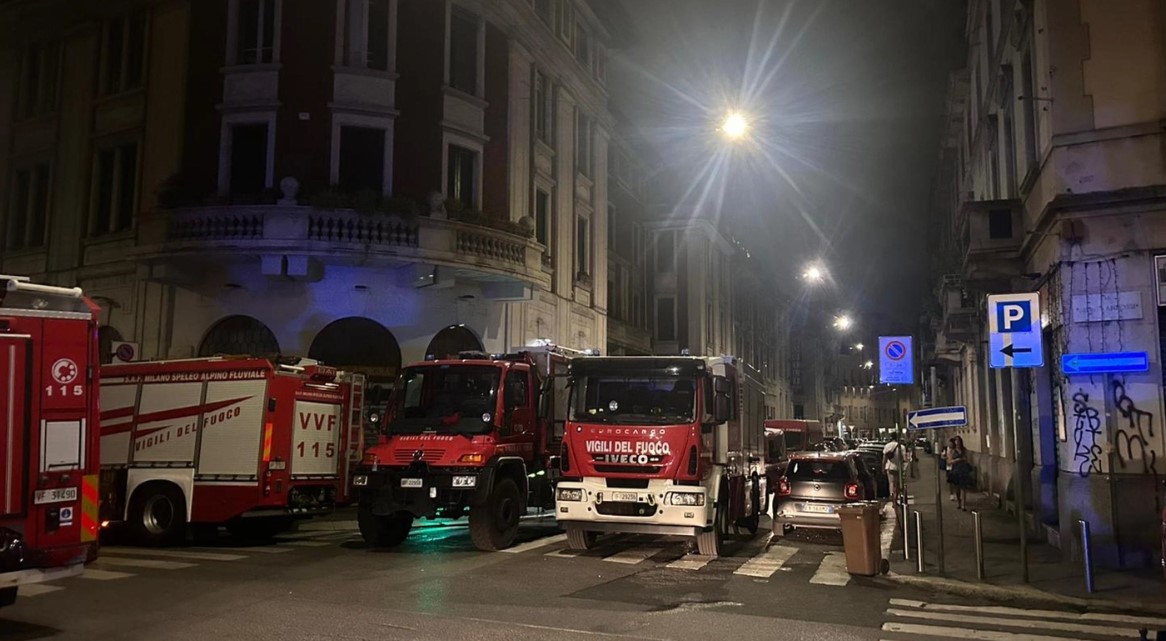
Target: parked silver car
[812,489]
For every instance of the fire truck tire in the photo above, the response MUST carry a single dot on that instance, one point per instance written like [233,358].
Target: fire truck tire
[580,539]
[752,522]
[158,514]
[383,531]
[494,523]
[7,596]
[710,543]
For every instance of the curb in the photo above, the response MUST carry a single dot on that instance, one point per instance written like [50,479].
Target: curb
[1021,593]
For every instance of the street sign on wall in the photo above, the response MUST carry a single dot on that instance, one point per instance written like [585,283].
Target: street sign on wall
[937,417]
[1014,331]
[1108,363]
[896,362]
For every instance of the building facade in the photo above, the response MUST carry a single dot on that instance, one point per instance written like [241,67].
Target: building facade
[1051,180]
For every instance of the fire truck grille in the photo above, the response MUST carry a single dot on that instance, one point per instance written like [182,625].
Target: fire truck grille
[625,509]
[628,469]
[406,456]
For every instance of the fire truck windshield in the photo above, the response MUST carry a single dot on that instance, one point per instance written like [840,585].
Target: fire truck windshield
[446,398]
[648,399]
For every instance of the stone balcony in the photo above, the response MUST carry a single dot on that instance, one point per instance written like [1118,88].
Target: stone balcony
[299,241]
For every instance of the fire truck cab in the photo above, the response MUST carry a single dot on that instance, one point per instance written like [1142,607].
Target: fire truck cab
[48,433]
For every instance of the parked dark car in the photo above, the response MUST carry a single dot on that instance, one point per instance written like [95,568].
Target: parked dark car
[814,486]
[875,463]
[925,444]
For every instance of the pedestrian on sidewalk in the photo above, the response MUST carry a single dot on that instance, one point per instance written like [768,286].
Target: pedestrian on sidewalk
[943,465]
[959,471]
[912,459]
[893,464]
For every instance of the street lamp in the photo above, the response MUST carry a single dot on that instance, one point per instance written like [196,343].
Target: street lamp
[843,322]
[868,364]
[814,274]
[735,125]
[858,346]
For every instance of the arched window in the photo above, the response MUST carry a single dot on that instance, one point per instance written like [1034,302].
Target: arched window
[239,335]
[107,335]
[359,344]
[454,339]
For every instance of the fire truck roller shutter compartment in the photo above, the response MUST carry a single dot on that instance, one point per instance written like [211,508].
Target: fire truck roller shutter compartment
[232,428]
[317,439]
[166,423]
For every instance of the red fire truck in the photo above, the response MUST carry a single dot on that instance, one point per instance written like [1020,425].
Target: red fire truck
[662,445]
[466,435]
[48,435]
[238,441]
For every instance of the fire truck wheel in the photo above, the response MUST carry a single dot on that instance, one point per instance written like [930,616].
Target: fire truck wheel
[494,524]
[383,531]
[710,543]
[158,514]
[580,539]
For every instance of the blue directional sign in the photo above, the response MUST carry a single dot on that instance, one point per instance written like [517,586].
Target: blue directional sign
[1111,363]
[937,417]
[1014,332]
[896,364]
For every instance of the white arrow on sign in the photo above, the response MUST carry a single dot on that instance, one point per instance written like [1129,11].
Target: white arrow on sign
[937,417]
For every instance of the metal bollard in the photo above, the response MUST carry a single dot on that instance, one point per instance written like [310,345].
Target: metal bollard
[1087,555]
[918,542]
[979,545]
[906,526]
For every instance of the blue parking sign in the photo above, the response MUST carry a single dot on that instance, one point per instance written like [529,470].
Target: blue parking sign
[1014,331]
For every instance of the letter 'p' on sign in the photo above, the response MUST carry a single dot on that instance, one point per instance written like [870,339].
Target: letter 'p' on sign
[1014,330]
[1015,316]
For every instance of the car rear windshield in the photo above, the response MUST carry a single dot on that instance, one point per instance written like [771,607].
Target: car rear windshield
[818,471]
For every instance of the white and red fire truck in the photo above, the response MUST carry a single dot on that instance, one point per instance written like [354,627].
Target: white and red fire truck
[48,433]
[238,441]
[662,445]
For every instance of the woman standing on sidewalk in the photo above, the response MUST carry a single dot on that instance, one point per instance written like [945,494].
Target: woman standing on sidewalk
[959,472]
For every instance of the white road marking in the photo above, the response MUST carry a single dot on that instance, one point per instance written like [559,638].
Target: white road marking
[769,561]
[832,570]
[1048,626]
[632,556]
[536,544]
[261,549]
[691,562]
[949,632]
[129,562]
[328,526]
[307,544]
[1041,614]
[36,589]
[171,554]
[103,575]
[566,553]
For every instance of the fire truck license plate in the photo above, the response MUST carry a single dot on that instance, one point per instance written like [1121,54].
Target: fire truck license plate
[58,495]
[630,497]
[411,483]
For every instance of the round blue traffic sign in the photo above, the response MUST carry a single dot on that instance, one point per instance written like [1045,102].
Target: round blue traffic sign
[895,350]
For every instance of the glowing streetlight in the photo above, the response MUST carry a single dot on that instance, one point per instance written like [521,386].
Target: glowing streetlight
[843,322]
[858,346]
[735,125]
[868,364]
[814,274]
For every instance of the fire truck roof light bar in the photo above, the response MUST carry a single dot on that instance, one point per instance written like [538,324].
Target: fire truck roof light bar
[24,286]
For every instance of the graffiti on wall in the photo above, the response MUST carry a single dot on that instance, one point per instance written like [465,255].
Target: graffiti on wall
[1086,429]
[1132,440]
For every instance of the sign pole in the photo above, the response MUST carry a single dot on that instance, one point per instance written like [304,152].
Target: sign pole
[1019,485]
[939,517]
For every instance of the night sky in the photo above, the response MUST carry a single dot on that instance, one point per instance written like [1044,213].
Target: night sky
[847,105]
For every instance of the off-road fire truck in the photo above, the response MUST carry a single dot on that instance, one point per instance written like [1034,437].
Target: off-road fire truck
[48,433]
[466,435]
[238,441]
[662,445]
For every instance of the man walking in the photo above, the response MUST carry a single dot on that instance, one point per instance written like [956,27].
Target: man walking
[893,464]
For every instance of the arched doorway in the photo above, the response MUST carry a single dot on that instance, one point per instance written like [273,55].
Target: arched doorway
[239,335]
[454,339]
[107,335]
[359,344]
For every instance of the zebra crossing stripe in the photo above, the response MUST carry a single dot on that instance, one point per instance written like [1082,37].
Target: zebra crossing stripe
[1048,626]
[691,562]
[103,575]
[950,632]
[130,562]
[769,561]
[632,556]
[536,544]
[832,570]
[172,554]
[36,589]
[1099,617]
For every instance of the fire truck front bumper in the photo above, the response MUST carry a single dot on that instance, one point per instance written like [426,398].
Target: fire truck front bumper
[661,508]
[446,492]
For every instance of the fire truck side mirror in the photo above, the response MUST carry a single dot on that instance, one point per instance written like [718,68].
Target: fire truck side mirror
[722,410]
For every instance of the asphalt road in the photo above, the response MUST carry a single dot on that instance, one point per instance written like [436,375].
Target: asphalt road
[323,583]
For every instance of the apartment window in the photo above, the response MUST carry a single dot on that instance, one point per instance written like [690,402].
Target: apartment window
[115,189]
[542,107]
[546,11]
[583,143]
[362,159]
[600,64]
[37,89]
[377,35]
[566,20]
[248,159]
[256,32]
[999,224]
[665,319]
[583,246]
[28,208]
[463,52]
[542,218]
[460,175]
[666,251]
[124,53]
[582,45]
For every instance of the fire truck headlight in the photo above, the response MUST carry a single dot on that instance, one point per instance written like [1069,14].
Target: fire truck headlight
[685,498]
[360,480]
[570,494]
[471,458]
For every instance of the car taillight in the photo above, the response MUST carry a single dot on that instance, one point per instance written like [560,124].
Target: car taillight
[853,491]
[783,487]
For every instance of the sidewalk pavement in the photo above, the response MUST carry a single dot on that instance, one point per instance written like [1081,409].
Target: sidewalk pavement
[1053,577]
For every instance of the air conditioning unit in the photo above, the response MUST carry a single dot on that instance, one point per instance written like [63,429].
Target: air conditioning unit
[124,352]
